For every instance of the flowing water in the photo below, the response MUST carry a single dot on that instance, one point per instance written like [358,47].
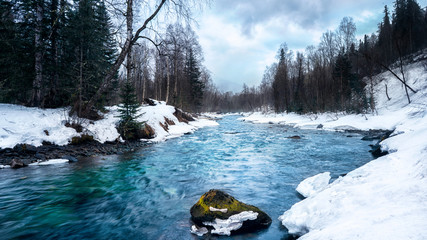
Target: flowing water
[148,194]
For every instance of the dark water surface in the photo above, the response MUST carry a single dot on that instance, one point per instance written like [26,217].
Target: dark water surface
[147,194]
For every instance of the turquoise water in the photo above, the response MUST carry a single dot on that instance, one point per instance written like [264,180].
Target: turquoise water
[147,194]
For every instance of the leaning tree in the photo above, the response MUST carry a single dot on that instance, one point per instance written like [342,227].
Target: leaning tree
[180,9]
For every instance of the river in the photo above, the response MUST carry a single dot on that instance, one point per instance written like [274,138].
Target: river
[147,194]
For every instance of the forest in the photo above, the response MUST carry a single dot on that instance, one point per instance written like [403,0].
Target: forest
[332,76]
[80,53]
[59,53]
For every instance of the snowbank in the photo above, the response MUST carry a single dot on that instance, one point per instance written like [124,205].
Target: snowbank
[384,199]
[313,185]
[32,126]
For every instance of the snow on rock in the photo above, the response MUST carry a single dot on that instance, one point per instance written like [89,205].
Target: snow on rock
[198,231]
[234,222]
[25,125]
[384,199]
[50,162]
[154,115]
[223,210]
[312,185]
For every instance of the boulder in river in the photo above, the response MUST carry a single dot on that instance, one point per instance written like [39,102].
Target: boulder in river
[17,164]
[294,137]
[376,135]
[222,214]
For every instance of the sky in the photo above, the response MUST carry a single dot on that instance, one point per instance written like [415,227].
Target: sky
[241,37]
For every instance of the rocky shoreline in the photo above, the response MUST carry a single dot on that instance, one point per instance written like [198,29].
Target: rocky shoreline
[24,154]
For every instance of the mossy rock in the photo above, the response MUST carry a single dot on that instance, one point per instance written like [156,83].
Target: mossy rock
[200,212]
[146,132]
[84,138]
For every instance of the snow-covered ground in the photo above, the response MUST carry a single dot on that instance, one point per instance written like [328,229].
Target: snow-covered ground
[313,185]
[19,124]
[386,198]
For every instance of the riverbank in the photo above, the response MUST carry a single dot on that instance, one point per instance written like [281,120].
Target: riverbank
[384,199]
[27,154]
[32,134]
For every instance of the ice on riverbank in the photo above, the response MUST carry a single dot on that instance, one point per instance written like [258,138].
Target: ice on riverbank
[19,124]
[50,162]
[313,185]
[384,199]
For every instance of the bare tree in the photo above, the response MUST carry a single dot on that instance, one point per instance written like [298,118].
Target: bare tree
[346,34]
[178,8]
[328,46]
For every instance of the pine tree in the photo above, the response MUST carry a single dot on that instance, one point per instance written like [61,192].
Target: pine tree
[385,38]
[408,27]
[281,82]
[193,75]
[128,109]
[342,75]
[90,49]
[9,69]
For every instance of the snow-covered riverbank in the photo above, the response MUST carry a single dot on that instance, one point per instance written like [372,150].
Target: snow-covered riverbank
[24,125]
[385,199]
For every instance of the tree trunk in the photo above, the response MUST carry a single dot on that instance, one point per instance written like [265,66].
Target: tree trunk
[80,80]
[403,74]
[143,86]
[120,59]
[386,93]
[129,35]
[38,64]
[55,73]
[167,79]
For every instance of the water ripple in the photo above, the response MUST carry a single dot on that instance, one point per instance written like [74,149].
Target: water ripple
[147,194]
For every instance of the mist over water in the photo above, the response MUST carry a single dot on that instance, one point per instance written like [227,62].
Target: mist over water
[148,194]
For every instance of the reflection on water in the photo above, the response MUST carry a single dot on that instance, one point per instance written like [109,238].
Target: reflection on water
[147,194]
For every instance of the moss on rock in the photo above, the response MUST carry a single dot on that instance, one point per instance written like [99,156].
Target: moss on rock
[200,212]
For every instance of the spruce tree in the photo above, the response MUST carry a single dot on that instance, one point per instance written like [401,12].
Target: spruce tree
[90,50]
[128,109]
[384,38]
[197,86]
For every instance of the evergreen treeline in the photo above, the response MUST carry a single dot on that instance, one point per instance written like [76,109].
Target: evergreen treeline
[58,53]
[54,53]
[333,75]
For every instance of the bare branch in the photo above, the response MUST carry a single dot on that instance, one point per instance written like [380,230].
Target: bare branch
[147,21]
[388,69]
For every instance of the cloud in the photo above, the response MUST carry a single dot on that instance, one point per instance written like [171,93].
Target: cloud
[241,37]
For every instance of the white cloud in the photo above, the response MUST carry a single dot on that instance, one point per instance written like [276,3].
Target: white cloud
[241,37]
